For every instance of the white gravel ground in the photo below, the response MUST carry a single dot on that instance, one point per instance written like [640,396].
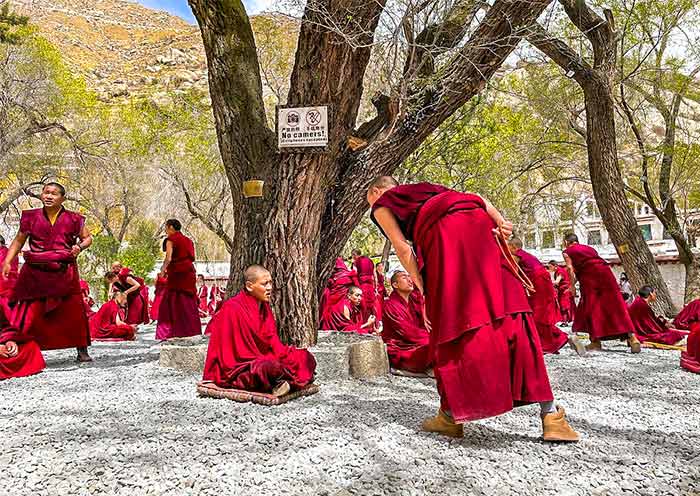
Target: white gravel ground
[123,425]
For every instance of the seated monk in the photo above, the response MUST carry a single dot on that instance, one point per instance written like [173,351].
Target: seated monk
[407,339]
[650,327]
[689,315]
[690,359]
[245,351]
[19,355]
[109,321]
[346,315]
[88,302]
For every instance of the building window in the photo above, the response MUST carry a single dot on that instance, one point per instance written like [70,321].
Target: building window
[594,237]
[592,210]
[646,231]
[530,240]
[646,209]
[567,210]
[548,239]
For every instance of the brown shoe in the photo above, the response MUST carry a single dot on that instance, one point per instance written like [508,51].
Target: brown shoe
[634,344]
[577,345]
[595,346]
[443,424]
[281,389]
[556,429]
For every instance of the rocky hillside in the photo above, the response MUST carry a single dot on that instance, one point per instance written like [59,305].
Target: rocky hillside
[121,47]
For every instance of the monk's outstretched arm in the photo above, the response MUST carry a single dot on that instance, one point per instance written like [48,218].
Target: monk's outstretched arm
[572,274]
[12,253]
[391,228]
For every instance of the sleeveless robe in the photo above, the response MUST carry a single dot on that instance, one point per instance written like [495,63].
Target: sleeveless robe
[104,326]
[406,338]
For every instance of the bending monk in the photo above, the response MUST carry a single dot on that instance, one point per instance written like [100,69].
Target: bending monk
[346,315]
[178,313]
[565,292]
[648,326]
[109,323]
[601,311]
[245,351]
[49,303]
[407,340]
[131,286]
[543,302]
[368,284]
[487,353]
[688,316]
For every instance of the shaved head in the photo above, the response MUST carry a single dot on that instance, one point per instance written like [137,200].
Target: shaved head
[254,272]
[516,243]
[395,276]
[571,238]
[379,186]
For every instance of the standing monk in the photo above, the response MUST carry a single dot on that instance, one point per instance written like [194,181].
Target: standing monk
[406,338]
[245,351]
[650,327]
[543,302]
[486,349]
[565,291]
[601,311]
[49,303]
[178,314]
[368,284]
[202,296]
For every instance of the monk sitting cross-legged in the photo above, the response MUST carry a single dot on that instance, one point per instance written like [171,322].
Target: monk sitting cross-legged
[245,351]
[487,353]
[346,315]
[20,356]
[649,327]
[407,340]
[109,322]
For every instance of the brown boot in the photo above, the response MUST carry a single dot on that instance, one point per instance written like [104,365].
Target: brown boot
[595,346]
[443,424]
[634,344]
[555,428]
[281,389]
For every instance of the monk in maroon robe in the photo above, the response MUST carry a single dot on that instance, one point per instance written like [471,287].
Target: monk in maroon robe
[368,284]
[601,311]
[7,286]
[161,286]
[178,313]
[20,356]
[487,354]
[566,301]
[688,316]
[346,315]
[245,351]
[406,338]
[136,291]
[88,302]
[543,302]
[109,323]
[690,359]
[336,289]
[202,296]
[648,326]
[48,303]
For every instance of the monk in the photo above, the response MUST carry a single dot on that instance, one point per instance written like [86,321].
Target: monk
[601,311]
[109,323]
[543,302]
[216,299]
[20,356]
[688,316]
[486,351]
[649,327]
[202,296]
[7,286]
[368,284]
[161,285]
[48,303]
[128,285]
[346,315]
[406,338]
[178,314]
[88,302]
[565,291]
[336,289]
[690,359]
[245,351]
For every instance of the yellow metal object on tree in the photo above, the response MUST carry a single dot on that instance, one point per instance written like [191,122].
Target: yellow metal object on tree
[623,248]
[253,188]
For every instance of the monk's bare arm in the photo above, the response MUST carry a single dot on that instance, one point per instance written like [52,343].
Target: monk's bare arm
[85,239]
[168,257]
[135,286]
[572,274]
[504,226]
[391,228]
[12,252]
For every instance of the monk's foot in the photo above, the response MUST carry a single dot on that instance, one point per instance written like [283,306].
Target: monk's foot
[430,373]
[83,357]
[594,346]
[634,344]
[443,424]
[577,345]
[555,428]
[281,389]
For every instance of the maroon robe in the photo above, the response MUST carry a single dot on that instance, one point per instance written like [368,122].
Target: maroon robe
[649,327]
[601,311]
[104,326]
[337,321]
[161,286]
[543,302]
[687,316]
[28,361]
[381,295]
[487,353]
[406,338]
[368,285]
[203,297]
[565,298]
[690,359]
[245,351]
[136,302]
[336,289]
[49,303]
[7,286]
[88,302]
[178,312]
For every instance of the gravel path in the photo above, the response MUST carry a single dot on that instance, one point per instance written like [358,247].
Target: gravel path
[123,425]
